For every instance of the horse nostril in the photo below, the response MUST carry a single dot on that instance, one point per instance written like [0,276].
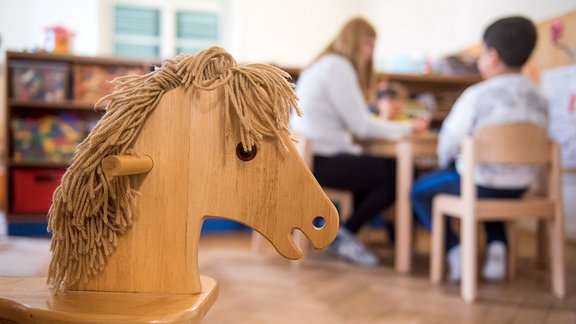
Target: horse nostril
[319,222]
[245,155]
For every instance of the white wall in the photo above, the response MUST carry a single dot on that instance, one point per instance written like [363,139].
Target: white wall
[286,32]
[292,32]
[289,33]
[440,27]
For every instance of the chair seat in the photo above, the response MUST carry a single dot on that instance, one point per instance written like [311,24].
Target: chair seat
[30,300]
[498,209]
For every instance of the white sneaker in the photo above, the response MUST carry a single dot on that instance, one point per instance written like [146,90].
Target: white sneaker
[347,247]
[495,266]
[454,259]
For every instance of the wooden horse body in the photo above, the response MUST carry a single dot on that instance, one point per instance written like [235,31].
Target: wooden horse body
[200,175]
[198,170]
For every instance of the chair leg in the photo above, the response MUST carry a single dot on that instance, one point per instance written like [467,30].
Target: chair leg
[542,243]
[468,284]
[512,236]
[557,257]
[437,251]
[302,242]
[257,242]
[346,204]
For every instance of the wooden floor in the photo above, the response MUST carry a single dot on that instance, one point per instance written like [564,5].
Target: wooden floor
[266,288]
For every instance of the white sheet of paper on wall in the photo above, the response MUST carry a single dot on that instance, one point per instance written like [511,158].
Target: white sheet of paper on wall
[559,85]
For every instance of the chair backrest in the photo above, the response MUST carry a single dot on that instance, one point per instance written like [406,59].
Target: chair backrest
[304,148]
[518,144]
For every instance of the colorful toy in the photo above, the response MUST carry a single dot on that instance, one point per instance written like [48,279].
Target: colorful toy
[47,138]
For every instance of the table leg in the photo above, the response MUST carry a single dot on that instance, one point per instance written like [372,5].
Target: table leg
[404,178]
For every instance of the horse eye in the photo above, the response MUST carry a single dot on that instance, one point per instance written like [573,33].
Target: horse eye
[245,155]
[319,222]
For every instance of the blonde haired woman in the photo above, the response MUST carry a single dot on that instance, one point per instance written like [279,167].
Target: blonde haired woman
[333,94]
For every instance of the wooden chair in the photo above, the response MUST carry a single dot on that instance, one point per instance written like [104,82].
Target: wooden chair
[343,198]
[518,144]
[186,160]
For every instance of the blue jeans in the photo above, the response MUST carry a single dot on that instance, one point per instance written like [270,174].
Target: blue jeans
[447,180]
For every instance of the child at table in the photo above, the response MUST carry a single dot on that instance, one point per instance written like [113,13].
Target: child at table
[391,101]
[505,96]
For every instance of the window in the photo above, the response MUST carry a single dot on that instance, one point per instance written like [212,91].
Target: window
[136,31]
[196,31]
[165,29]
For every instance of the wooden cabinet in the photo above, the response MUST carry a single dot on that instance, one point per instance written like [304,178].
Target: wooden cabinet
[49,111]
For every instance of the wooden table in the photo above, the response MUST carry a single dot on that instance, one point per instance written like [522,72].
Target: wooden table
[405,151]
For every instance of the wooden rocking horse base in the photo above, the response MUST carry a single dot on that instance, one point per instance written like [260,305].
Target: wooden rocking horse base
[29,300]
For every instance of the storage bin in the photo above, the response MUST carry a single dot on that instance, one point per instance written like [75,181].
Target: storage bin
[91,81]
[33,189]
[35,80]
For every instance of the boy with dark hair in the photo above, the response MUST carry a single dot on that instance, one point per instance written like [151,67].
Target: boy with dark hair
[513,38]
[505,96]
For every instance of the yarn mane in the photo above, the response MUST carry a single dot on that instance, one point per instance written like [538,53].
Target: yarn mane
[90,209]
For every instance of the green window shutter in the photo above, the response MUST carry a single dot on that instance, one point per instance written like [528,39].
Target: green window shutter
[136,31]
[196,31]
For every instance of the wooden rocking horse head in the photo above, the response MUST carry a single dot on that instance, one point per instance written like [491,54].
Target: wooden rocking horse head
[217,137]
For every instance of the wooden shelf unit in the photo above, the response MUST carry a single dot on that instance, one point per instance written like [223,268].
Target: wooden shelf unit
[49,95]
[444,88]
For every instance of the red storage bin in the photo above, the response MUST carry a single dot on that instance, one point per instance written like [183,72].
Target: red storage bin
[33,189]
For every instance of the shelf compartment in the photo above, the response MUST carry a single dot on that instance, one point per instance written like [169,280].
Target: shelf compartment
[38,80]
[50,138]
